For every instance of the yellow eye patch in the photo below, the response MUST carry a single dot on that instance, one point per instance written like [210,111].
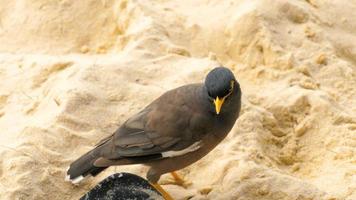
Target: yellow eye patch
[232,83]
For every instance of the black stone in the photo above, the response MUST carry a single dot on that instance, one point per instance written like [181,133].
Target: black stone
[123,186]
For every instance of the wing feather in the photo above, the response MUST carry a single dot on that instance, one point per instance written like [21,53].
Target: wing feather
[160,128]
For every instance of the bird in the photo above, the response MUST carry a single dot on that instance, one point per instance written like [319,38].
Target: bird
[175,130]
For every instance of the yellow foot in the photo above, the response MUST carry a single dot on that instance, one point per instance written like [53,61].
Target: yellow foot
[165,194]
[180,181]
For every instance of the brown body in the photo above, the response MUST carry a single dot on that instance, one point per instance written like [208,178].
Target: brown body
[157,168]
[172,123]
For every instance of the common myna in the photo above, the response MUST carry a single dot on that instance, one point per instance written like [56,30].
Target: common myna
[174,131]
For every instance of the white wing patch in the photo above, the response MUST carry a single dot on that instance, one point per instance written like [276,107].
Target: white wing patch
[189,149]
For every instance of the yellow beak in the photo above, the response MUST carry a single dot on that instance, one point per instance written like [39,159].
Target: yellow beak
[218,103]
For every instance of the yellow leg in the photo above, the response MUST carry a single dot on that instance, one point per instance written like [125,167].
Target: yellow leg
[165,194]
[177,178]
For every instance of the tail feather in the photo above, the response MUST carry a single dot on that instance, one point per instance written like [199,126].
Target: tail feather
[84,166]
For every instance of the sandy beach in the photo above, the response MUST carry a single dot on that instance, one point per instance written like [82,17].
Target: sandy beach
[72,71]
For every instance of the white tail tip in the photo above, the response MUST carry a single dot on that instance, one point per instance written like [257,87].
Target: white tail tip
[76,180]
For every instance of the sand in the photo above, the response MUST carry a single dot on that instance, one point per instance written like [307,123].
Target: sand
[72,71]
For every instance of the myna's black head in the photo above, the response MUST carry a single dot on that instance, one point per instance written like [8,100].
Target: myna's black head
[221,84]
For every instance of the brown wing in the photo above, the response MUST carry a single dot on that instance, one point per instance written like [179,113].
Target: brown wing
[162,126]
